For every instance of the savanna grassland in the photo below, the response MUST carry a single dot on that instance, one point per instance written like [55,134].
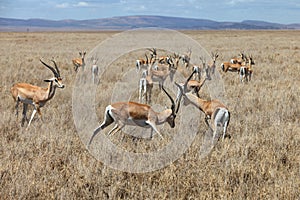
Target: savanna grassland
[260,159]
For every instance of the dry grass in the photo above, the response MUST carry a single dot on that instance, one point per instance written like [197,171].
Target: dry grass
[260,161]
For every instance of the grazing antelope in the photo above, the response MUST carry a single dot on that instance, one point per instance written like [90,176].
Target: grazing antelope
[186,58]
[95,70]
[213,109]
[34,95]
[136,114]
[79,62]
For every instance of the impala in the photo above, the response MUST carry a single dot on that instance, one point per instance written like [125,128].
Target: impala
[136,114]
[79,62]
[34,95]
[214,110]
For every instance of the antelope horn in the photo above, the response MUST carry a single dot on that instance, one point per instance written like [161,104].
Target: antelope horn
[173,103]
[147,60]
[57,70]
[51,68]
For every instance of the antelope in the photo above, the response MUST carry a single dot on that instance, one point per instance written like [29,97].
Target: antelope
[156,73]
[214,110]
[192,85]
[212,65]
[35,95]
[186,58]
[151,75]
[238,60]
[143,63]
[198,70]
[95,70]
[79,62]
[136,114]
[145,87]
[227,66]
[246,71]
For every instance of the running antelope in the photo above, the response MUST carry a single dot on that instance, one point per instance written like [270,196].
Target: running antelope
[214,110]
[79,62]
[136,114]
[35,95]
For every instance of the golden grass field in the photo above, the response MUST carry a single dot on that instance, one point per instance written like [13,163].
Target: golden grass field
[261,159]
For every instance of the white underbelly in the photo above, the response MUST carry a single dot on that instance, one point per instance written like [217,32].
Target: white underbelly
[26,101]
[141,123]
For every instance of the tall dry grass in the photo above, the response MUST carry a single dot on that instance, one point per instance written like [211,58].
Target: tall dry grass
[260,161]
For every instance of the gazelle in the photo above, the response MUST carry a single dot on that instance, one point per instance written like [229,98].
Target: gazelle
[186,58]
[79,62]
[145,88]
[136,114]
[238,60]
[95,70]
[246,71]
[160,76]
[227,66]
[212,65]
[200,69]
[214,110]
[35,95]
[142,64]
[192,86]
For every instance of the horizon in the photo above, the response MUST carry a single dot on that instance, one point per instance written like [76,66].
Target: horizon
[148,16]
[282,12]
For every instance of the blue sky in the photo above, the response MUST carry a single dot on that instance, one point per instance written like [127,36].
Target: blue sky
[286,11]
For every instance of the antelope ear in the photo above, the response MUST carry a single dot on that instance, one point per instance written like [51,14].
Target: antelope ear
[47,80]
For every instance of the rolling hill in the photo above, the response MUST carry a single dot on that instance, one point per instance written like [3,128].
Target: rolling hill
[130,22]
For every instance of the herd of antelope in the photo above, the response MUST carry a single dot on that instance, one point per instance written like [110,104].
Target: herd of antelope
[151,69]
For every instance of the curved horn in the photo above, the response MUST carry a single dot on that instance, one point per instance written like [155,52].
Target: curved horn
[51,68]
[57,70]
[173,102]
[147,60]
[189,78]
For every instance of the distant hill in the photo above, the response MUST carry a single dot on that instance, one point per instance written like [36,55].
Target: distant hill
[130,22]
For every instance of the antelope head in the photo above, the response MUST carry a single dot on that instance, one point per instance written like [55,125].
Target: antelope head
[57,80]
